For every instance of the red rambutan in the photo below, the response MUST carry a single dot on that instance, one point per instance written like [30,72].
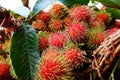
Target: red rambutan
[53,66]
[4,69]
[76,32]
[44,16]
[81,13]
[95,36]
[39,25]
[97,23]
[0,46]
[112,30]
[117,23]
[43,40]
[104,16]
[67,20]
[43,43]
[57,40]
[55,25]
[74,56]
[58,11]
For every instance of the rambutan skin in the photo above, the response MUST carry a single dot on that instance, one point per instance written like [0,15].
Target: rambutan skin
[104,16]
[96,36]
[74,56]
[97,23]
[43,43]
[117,23]
[67,20]
[57,8]
[39,25]
[76,32]
[44,16]
[58,11]
[0,46]
[57,40]
[81,13]
[55,25]
[4,69]
[53,66]
[112,30]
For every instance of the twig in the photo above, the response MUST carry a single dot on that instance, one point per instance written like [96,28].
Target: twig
[2,22]
[111,75]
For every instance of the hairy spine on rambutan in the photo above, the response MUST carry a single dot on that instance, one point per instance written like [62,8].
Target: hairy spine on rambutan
[95,36]
[54,66]
[55,25]
[112,30]
[81,13]
[97,24]
[44,16]
[67,21]
[0,46]
[104,16]
[74,56]
[57,40]
[4,69]
[39,25]
[58,11]
[117,23]
[43,40]
[76,32]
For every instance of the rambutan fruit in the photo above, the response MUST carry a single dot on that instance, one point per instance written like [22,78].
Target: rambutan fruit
[104,16]
[74,56]
[76,32]
[117,23]
[43,43]
[54,66]
[57,40]
[97,24]
[39,25]
[44,16]
[55,25]
[4,69]
[43,40]
[81,13]
[112,30]
[58,11]
[67,21]
[0,46]
[95,37]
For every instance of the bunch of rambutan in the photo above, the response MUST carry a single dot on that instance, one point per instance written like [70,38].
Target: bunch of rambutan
[64,34]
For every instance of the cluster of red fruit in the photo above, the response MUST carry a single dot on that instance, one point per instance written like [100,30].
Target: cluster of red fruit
[61,30]
[4,69]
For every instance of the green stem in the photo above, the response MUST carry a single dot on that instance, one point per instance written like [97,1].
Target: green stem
[112,73]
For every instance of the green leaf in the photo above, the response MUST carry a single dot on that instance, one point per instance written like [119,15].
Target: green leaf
[114,12]
[110,3]
[70,3]
[41,4]
[24,52]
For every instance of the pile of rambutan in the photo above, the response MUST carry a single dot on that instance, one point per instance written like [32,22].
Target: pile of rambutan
[67,35]
[67,38]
